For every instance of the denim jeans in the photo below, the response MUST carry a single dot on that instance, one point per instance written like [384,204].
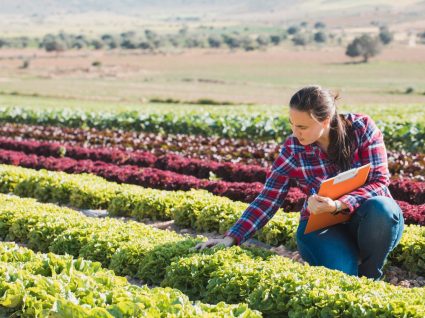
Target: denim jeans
[360,246]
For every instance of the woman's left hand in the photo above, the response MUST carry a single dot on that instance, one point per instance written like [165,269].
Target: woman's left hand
[317,204]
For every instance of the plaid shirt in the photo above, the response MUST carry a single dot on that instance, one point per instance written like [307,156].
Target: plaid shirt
[309,165]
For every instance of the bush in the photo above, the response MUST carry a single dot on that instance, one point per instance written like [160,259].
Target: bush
[25,64]
[409,90]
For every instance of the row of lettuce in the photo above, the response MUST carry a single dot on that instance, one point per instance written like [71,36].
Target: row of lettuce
[199,168]
[215,148]
[406,136]
[50,285]
[212,150]
[196,209]
[412,192]
[271,284]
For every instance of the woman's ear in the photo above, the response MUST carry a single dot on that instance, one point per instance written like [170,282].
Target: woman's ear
[327,122]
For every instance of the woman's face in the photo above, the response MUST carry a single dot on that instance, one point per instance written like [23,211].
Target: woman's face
[306,128]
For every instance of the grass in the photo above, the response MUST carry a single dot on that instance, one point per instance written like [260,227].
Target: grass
[269,77]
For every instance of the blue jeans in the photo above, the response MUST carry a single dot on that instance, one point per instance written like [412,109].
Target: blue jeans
[360,246]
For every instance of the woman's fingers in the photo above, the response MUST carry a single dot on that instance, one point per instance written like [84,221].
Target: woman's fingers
[203,245]
[210,243]
[320,199]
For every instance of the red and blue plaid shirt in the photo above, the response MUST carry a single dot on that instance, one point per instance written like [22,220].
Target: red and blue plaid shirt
[309,165]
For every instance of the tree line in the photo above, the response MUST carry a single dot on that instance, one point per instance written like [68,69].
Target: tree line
[300,35]
[364,46]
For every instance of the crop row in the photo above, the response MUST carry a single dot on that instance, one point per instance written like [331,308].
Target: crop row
[202,169]
[406,136]
[49,285]
[271,284]
[242,151]
[146,177]
[405,190]
[196,209]
[192,146]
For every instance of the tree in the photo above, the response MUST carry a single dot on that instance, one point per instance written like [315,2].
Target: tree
[111,41]
[78,44]
[385,35]
[194,41]
[80,41]
[232,41]
[293,29]
[319,25]
[320,37]
[301,39]
[3,43]
[65,38]
[214,41]
[114,43]
[248,43]
[145,45]
[174,40]
[421,37]
[263,40]
[275,39]
[97,44]
[129,44]
[107,37]
[52,43]
[150,35]
[55,45]
[365,46]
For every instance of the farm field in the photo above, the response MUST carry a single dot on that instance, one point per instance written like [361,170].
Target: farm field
[115,163]
[162,193]
[130,80]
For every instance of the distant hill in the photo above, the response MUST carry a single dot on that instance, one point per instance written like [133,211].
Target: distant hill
[342,13]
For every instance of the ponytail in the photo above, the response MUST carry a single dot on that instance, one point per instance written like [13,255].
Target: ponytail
[341,148]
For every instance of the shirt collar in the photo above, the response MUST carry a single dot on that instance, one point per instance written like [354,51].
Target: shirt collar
[315,149]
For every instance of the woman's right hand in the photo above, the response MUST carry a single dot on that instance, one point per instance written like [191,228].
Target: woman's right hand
[227,241]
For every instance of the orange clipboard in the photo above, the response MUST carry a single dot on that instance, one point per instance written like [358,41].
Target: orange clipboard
[334,188]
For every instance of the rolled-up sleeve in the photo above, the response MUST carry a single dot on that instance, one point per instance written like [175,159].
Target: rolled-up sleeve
[271,197]
[371,150]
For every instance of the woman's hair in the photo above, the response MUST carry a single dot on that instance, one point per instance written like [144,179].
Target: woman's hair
[320,103]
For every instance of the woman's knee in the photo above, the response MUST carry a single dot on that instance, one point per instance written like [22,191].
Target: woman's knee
[382,209]
[332,250]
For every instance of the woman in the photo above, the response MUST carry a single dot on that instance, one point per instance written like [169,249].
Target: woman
[323,144]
